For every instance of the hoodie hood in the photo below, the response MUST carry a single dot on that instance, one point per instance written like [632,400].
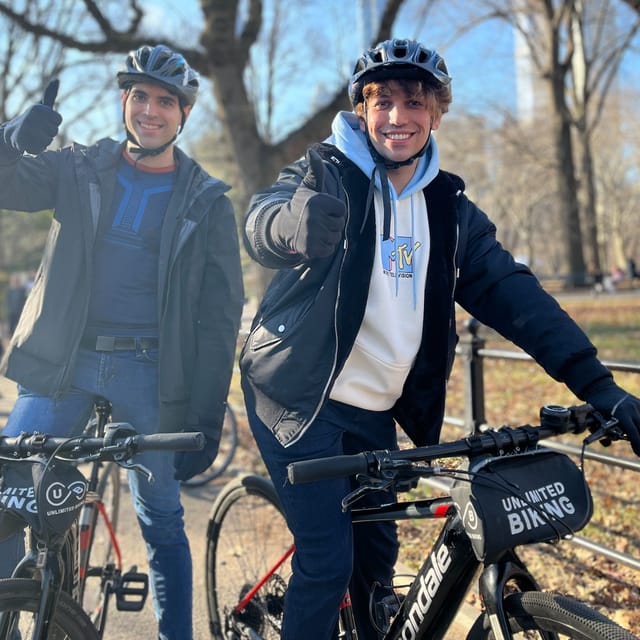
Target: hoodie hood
[347,136]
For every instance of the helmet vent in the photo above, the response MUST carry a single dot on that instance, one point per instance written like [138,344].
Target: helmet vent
[408,56]
[400,51]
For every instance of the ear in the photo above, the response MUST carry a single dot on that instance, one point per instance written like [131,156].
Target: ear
[123,98]
[435,121]
[362,123]
[187,110]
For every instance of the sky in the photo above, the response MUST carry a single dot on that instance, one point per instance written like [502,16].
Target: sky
[319,60]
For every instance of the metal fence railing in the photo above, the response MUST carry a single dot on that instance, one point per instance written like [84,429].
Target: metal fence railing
[472,353]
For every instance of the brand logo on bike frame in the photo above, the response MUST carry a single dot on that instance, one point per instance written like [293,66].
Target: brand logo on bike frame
[430,581]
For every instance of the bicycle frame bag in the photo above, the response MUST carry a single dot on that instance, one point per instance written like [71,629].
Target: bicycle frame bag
[504,502]
[45,497]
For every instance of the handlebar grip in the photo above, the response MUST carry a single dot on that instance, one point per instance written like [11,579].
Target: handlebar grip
[327,468]
[191,441]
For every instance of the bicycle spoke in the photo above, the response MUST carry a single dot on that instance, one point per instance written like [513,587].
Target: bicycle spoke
[239,562]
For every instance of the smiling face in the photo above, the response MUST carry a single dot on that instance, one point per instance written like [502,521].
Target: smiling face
[154,116]
[398,117]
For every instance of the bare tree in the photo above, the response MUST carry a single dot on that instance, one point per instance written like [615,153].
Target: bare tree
[577,58]
[26,64]
[600,41]
[223,54]
[617,181]
[545,25]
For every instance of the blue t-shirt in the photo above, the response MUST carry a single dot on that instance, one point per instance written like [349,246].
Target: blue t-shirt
[125,270]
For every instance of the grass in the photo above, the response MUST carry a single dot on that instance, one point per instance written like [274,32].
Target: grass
[515,390]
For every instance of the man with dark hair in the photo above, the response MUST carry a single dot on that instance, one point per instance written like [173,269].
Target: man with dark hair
[138,297]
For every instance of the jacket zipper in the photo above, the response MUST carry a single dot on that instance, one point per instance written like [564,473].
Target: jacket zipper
[325,391]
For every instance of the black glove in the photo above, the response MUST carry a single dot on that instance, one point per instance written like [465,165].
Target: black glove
[190,463]
[312,223]
[611,400]
[35,129]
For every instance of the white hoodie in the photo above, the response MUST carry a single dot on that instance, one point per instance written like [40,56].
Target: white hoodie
[391,332]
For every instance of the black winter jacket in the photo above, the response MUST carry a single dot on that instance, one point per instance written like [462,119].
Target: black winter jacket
[311,313]
[200,292]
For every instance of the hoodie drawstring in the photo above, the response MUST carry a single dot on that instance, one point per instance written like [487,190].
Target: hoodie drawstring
[386,199]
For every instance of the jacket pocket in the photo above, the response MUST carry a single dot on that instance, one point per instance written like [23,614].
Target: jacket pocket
[278,327]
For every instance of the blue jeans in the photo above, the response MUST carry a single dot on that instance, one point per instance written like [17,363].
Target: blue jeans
[129,380]
[331,554]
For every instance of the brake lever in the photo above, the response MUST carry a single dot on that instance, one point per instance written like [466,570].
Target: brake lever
[138,468]
[607,432]
[373,484]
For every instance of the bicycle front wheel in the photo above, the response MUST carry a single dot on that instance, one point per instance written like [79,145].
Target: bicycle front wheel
[19,602]
[536,614]
[226,451]
[248,551]
[97,560]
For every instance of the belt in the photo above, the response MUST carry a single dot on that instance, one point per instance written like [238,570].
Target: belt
[120,343]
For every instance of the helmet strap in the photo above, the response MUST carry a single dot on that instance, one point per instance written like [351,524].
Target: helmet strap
[382,166]
[143,152]
[378,158]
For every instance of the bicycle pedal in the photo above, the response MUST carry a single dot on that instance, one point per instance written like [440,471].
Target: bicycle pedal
[131,591]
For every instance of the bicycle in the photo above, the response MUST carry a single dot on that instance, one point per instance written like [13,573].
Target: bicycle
[92,549]
[226,452]
[498,485]
[44,490]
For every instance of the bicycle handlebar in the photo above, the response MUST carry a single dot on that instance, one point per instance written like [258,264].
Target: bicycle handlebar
[118,447]
[555,420]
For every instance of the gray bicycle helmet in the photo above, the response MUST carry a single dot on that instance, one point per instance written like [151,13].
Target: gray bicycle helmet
[162,65]
[400,58]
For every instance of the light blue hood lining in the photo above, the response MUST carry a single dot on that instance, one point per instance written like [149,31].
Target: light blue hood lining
[347,136]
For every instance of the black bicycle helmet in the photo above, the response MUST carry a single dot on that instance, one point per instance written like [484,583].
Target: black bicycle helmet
[162,65]
[400,58]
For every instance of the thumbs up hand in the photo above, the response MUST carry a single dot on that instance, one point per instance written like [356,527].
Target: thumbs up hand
[35,129]
[312,224]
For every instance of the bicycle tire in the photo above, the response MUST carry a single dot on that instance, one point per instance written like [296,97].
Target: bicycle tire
[246,535]
[552,616]
[92,585]
[226,452]
[22,597]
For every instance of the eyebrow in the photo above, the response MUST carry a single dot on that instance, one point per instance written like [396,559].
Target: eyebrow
[165,96]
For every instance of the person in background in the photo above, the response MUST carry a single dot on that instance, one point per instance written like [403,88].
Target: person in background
[138,297]
[374,245]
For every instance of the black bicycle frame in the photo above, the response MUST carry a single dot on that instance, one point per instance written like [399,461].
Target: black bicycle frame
[447,573]
[47,564]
